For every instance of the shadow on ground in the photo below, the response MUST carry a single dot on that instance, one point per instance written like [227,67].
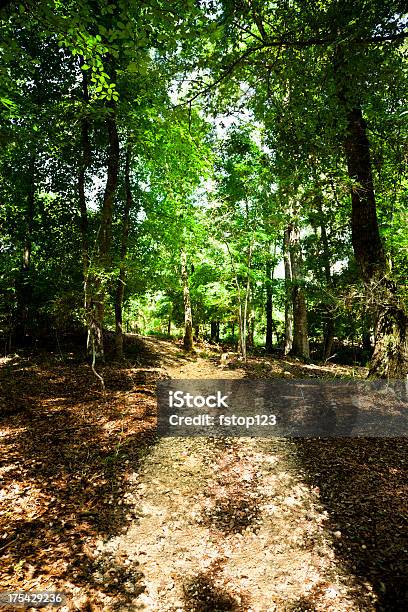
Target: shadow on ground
[66,452]
[205,593]
[363,486]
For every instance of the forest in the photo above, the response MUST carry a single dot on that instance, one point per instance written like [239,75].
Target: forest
[200,189]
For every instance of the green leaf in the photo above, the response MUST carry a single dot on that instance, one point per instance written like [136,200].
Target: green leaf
[132,67]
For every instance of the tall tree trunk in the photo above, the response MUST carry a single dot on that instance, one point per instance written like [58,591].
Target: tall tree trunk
[328,318]
[268,309]
[288,293]
[243,307]
[300,344]
[98,283]
[328,337]
[251,329]
[215,333]
[300,347]
[250,321]
[120,286]
[242,301]
[84,225]
[269,303]
[390,357]
[242,322]
[188,317]
[24,283]
[84,165]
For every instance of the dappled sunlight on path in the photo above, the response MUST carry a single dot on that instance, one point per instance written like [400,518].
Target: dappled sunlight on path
[231,524]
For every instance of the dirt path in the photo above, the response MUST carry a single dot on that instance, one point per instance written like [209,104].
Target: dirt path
[226,525]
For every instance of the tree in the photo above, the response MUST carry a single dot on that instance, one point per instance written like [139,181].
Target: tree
[269,63]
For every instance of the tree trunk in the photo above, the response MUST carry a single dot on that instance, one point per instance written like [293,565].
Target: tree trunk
[120,290]
[288,293]
[300,343]
[243,308]
[120,287]
[242,335]
[24,284]
[269,309]
[366,240]
[84,165]
[215,331]
[269,302]
[328,319]
[390,357]
[251,331]
[96,280]
[250,322]
[188,318]
[328,338]
[242,301]
[300,347]
[84,225]
[169,326]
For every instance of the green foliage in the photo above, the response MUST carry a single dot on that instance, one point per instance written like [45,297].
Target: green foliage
[173,77]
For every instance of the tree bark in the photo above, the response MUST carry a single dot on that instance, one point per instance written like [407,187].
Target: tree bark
[188,317]
[243,308]
[390,356]
[85,162]
[215,331]
[300,343]
[300,347]
[105,234]
[366,240]
[251,330]
[288,293]
[120,286]
[328,319]
[96,279]
[250,321]
[24,284]
[242,301]
[84,165]
[269,306]
[328,337]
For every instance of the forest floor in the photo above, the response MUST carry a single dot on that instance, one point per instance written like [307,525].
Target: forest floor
[93,504]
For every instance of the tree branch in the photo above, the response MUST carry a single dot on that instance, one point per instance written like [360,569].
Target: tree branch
[227,71]
[295,44]
[311,42]
[247,31]
[258,21]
